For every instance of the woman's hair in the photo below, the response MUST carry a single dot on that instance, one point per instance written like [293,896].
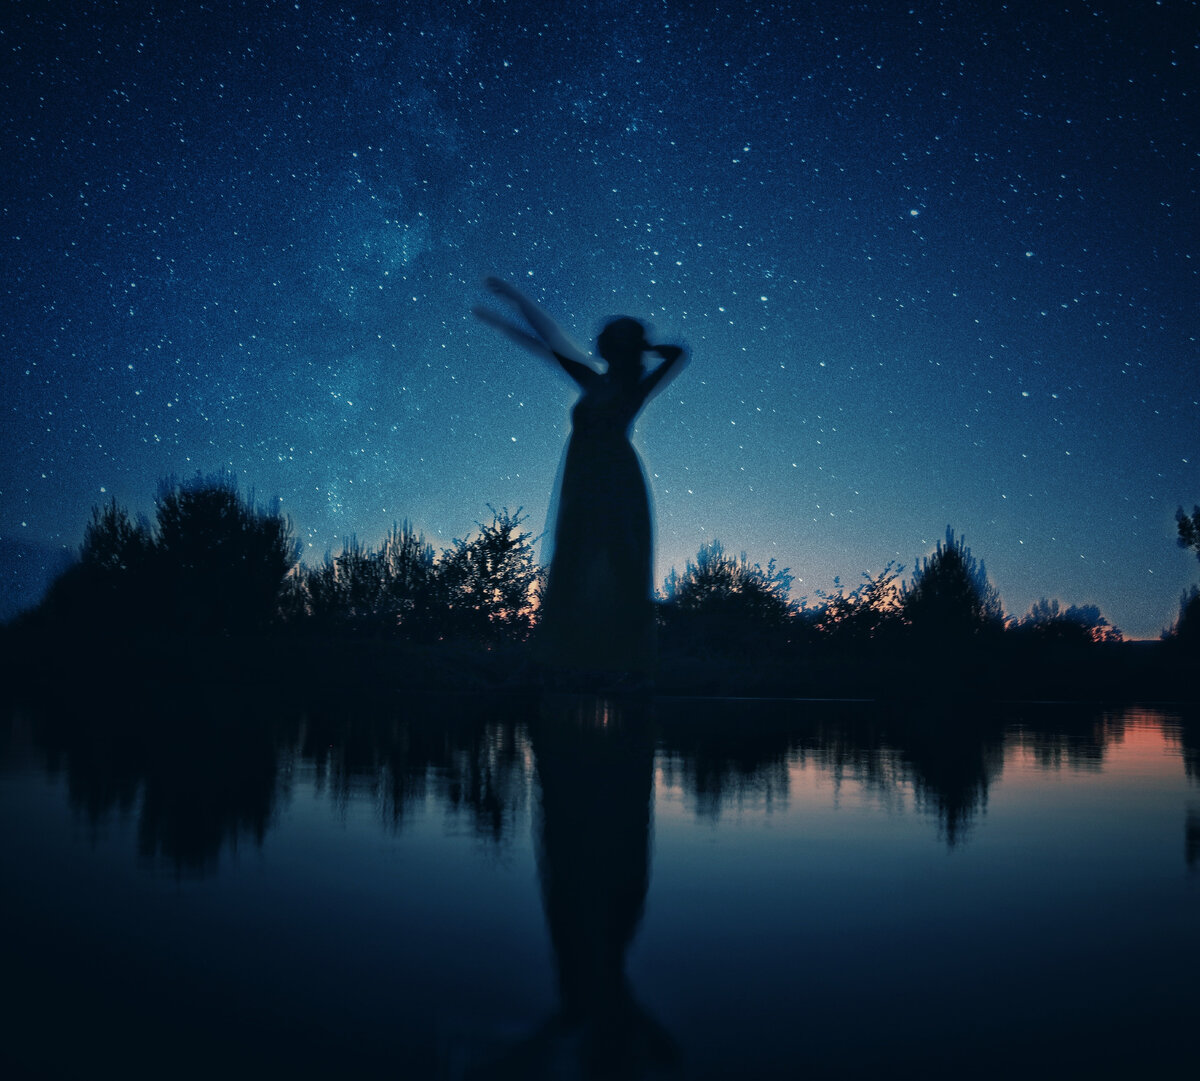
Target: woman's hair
[622,341]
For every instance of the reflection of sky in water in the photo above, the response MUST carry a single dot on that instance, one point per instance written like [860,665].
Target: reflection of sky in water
[838,898]
[790,898]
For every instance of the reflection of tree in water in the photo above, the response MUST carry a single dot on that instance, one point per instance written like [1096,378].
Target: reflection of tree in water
[489,777]
[472,754]
[953,761]
[854,748]
[102,761]
[201,769]
[1069,735]
[204,767]
[950,761]
[1188,736]
[716,763]
[218,782]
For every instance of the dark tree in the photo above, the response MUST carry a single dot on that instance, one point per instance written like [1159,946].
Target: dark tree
[1189,529]
[489,583]
[1186,629]
[863,613]
[344,592]
[108,588]
[213,562]
[950,596]
[112,543]
[408,570]
[731,589]
[1048,621]
[384,592]
[726,622]
[220,561]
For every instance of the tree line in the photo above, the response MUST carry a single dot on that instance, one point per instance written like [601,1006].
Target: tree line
[214,562]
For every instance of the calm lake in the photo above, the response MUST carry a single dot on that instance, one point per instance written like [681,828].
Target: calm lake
[577,887]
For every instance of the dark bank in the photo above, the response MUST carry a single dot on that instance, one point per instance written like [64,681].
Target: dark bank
[214,586]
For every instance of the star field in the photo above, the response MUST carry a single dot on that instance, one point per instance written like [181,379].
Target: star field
[933,267]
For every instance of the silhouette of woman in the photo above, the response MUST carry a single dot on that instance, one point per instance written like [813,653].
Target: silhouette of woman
[596,611]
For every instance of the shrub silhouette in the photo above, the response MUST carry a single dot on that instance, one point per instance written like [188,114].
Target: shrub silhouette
[408,572]
[219,561]
[1082,624]
[725,609]
[950,596]
[1185,631]
[722,586]
[489,585]
[484,588]
[1189,529]
[109,586]
[212,563]
[113,544]
[866,612]
[384,592]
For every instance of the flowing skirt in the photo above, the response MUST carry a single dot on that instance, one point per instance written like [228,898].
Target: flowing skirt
[597,613]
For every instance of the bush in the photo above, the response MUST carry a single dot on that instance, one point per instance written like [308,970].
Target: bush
[865,613]
[386,592]
[112,544]
[950,596]
[483,588]
[219,560]
[489,585]
[213,563]
[732,618]
[109,587]
[1048,621]
[718,585]
[1185,630]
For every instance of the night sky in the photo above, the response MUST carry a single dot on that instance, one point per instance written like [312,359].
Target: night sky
[933,267]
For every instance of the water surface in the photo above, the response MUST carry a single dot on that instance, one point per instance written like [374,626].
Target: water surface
[576,887]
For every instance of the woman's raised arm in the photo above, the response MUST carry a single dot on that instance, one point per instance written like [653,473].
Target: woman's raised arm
[537,317]
[515,334]
[673,357]
[550,340]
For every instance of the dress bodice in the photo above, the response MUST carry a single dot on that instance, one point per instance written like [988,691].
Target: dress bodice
[606,409]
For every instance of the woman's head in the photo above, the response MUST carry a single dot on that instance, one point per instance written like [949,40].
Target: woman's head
[622,343]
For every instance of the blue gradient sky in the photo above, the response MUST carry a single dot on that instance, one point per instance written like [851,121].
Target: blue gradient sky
[933,268]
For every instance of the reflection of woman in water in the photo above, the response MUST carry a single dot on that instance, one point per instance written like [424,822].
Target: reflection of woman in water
[595,773]
[596,611]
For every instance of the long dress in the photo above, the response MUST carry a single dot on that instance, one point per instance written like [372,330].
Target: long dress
[597,613]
